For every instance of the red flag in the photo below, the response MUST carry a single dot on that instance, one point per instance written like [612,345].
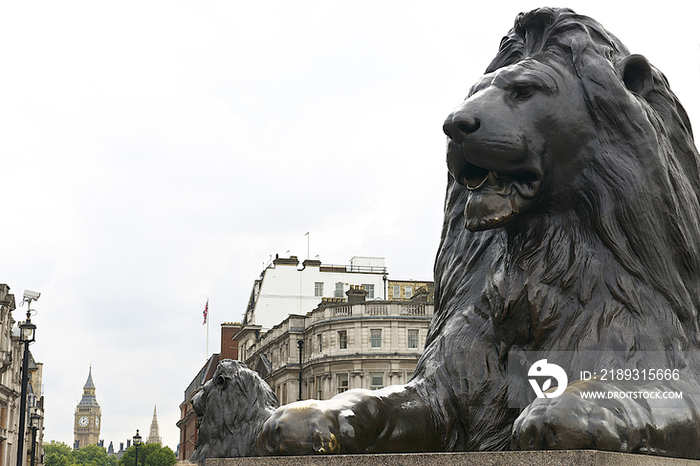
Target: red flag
[206,311]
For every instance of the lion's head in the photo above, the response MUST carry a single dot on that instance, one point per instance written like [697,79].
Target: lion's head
[514,141]
[231,409]
[561,109]
[570,154]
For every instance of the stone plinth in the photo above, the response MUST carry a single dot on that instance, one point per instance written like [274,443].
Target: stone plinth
[516,458]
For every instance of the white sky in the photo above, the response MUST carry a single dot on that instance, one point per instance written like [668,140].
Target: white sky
[155,154]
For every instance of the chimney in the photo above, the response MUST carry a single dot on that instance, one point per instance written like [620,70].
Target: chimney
[229,346]
[356,294]
[292,260]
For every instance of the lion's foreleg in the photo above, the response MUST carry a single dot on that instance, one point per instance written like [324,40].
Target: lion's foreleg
[394,419]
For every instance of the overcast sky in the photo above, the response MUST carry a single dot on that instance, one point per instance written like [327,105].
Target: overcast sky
[156,154]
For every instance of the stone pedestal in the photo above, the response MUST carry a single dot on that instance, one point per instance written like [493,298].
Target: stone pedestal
[514,458]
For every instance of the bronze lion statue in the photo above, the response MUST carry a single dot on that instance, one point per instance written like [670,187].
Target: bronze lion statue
[231,408]
[572,224]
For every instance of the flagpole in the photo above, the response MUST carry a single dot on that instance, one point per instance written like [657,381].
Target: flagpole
[206,321]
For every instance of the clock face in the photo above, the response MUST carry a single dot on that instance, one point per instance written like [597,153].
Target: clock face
[97,422]
[83,421]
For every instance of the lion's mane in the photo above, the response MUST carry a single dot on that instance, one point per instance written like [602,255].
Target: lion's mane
[231,409]
[619,270]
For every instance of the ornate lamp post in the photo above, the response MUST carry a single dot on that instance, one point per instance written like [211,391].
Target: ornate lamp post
[26,336]
[300,343]
[137,442]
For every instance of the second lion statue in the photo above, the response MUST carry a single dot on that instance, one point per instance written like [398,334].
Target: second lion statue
[572,223]
[231,408]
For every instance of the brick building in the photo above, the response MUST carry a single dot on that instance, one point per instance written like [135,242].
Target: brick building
[188,419]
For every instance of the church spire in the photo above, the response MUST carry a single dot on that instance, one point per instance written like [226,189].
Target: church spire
[154,434]
[89,384]
[88,398]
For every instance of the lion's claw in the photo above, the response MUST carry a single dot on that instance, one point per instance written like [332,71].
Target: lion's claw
[302,428]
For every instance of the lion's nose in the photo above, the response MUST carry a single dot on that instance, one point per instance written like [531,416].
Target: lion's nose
[459,125]
[196,404]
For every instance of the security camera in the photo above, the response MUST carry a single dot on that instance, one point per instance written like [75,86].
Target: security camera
[29,295]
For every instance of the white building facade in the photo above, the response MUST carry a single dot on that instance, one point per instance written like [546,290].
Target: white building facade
[284,288]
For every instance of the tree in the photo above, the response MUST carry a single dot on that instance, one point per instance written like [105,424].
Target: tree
[160,456]
[150,454]
[93,455]
[58,454]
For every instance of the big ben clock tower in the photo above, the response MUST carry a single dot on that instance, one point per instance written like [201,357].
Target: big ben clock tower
[87,417]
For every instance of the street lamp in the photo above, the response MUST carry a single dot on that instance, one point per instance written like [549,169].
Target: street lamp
[137,442]
[300,343]
[26,336]
[34,425]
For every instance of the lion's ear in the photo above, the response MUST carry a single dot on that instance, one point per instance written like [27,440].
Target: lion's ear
[636,74]
[222,381]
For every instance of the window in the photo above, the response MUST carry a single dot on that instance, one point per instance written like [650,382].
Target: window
[376,380]
[338,290]
[397,292]
[319,388]
[413,339]
[318,289]
[342,383]
[370,291]
[319,341]
[408,292]
[343,339]
[408,376]
[376,338]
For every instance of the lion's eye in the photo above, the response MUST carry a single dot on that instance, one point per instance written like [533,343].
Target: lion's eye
[524,91]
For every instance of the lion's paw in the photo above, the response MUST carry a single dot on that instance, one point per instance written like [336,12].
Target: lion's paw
[569,422]
[302,428]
